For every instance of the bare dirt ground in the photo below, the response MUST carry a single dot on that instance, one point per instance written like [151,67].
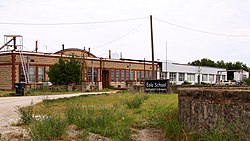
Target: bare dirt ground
[150,134]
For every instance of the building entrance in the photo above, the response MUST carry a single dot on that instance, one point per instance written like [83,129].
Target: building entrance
[105,79]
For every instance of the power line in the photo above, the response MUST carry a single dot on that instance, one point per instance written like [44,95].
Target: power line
[200,31]
[120,37]
[80,23]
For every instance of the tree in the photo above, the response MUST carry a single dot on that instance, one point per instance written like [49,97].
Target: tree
[65,72]
[203,62]
[220,64]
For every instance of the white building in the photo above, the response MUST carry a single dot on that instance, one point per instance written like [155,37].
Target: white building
[237,75]
[179,73]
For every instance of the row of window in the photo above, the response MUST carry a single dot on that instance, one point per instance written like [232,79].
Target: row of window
[125,75]
[191,77]
[35,72]
[38,72]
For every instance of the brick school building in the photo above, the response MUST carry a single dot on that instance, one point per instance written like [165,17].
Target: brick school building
[101,72]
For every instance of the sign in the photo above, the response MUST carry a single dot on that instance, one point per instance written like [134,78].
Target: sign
[156,86]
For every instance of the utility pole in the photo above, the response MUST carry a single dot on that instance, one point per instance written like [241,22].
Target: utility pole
[166,60]
[144,69]
[152,46]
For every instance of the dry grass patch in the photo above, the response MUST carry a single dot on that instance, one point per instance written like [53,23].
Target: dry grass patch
[107,115]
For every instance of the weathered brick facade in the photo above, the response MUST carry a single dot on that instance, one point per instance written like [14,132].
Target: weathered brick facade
[115,72]
[5,77]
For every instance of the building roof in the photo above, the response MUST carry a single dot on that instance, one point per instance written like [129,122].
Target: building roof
[75,49]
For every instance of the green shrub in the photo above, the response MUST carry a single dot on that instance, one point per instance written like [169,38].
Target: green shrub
[48,128]
[25,114]
[247,81]
[186,82]
[111,87]
[122,92]
[135,102]
[10,94]
[27,93]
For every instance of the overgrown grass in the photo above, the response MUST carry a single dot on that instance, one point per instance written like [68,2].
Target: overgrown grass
[25,114]
[48,128]
[106,115]
[230,132]
[7,93]
[135,102]
[166,117]
[104,121]
[114,116]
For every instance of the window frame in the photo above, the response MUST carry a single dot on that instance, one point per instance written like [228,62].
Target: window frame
[181,77]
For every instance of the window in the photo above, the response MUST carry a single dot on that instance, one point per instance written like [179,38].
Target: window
[112,75]
[123,75]
[95,75]
[190,77]
[172,76]
[127,75]
[164,75]
[244,76]
[32,73]
[151,76]
[211,77]
[89,75]
[181,76]
[41,74]
[142,75]
[223,77]
[204,77]
[217,78]
[146,75]
[138,75]
[132,75]
[117,75]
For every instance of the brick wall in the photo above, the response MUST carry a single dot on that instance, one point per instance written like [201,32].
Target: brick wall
[5,72]
[5,59]
[200,108]
[37,60]
[6,77]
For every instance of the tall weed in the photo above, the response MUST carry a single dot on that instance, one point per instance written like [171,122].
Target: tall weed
[25,114]
[48,128]
[166,117]
[229,132]
[104,121]
[135,102]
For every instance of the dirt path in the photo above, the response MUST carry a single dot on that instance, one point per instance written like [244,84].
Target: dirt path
[149,134]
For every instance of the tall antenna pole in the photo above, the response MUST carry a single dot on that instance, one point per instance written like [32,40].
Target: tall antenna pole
[152,46]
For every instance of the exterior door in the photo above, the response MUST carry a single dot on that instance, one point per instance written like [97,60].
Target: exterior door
[105,79]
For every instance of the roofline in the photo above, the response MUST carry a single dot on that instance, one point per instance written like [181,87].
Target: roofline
[196,66]
[79,57]
[74,49]
[138,60]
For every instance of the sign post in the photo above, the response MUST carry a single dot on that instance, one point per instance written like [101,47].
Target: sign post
[156,86]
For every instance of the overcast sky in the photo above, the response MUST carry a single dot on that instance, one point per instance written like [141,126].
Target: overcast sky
[124,26]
